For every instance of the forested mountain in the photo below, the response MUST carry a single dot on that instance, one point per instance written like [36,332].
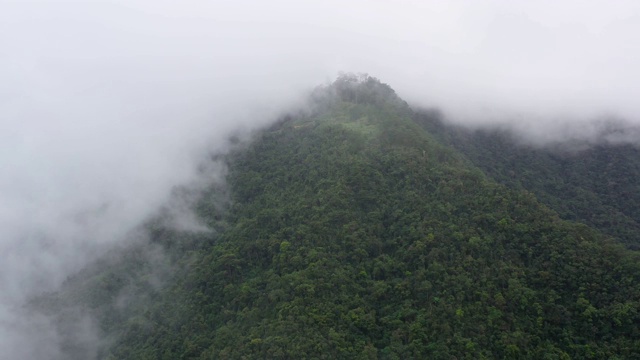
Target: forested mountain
[593,183]
[357,231]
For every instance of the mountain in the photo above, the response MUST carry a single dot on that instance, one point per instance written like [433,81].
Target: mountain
[358,231]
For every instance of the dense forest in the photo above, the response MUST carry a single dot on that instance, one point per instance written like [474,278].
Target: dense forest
[592,182]
[364,230]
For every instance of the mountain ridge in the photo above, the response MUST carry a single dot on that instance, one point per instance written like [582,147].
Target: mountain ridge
[591,183]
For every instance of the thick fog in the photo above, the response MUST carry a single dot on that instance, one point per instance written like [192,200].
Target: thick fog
[105,106]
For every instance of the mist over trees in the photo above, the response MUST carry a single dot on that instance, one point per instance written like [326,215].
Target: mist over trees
[111,111]
[352,231]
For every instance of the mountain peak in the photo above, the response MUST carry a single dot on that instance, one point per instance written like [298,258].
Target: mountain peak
[358,88]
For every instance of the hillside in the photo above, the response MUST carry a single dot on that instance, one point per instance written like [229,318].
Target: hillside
[596,184]
[353,232]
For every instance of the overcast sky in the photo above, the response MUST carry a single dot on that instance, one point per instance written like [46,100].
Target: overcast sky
[106,105]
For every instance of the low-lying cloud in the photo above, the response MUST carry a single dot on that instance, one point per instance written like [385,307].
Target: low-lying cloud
[106,106]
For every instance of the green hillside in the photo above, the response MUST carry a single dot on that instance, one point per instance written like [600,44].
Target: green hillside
[594,184]
[354,233]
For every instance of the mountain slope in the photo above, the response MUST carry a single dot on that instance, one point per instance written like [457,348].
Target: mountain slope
[594,184]
[354,233]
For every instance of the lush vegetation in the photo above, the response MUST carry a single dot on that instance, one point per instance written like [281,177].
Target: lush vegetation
[354,233]
[594,184]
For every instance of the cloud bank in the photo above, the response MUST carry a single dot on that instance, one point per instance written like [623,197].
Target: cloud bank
[105,106]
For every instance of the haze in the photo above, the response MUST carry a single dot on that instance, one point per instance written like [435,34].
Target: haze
[105,106]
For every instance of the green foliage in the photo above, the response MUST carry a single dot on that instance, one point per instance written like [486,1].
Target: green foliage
[595,185]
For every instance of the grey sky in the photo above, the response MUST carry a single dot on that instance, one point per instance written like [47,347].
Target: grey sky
[106,105]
